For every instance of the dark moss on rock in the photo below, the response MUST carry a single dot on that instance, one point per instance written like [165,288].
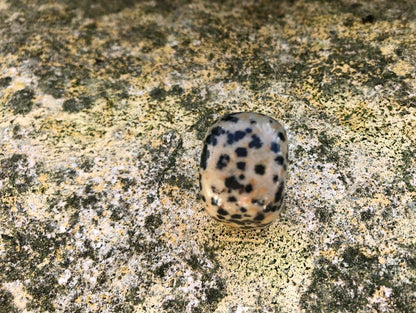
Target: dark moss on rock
[75,105]
[193,261]
[30,258]
[17,174]
[6,302]
[174,305]
[158,94]
[22,101]
[160,271]
[127,183]
[53,80]
[195,98]
[152,35]
[5,81]
[92,8]
[43,289]
[348,285]
[324,214]
[176,90]
[152,222]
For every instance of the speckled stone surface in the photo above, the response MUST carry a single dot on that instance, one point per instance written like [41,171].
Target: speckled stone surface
[103,108]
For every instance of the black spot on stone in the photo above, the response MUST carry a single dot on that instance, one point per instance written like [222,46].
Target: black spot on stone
[230,118]
[214,201]
[204,157]
[241,165]
[236,216]
[282,136]
[255,142]
[271,208]
[275,178]
[249,188]
[158,94]
[259,169]
[279,193]
[232,183]
[21,101]
[241,177]
[236,222]
[248,130]
[223,161]
[243,209]
[211,140]
[215,190]
[203,198]
[259,217]
[232,199]
[217,131]
[239,135]
[253,122]
[274,147]
[279,160]
[241,152]
[257,201]
[221,211]
[230,139]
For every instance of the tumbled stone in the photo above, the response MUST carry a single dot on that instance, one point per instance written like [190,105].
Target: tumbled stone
[243,169]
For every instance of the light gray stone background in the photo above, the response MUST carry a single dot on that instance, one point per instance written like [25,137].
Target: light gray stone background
[103,107]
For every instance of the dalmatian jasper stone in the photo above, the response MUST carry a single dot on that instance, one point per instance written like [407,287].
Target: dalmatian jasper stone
[243,169]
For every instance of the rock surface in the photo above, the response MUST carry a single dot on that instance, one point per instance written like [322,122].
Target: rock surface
[103,108]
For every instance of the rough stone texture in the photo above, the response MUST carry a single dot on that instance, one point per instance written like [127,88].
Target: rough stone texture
[103,106]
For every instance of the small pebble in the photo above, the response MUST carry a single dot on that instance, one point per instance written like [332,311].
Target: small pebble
[243,169]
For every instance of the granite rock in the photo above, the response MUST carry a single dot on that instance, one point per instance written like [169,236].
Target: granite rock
[103,108]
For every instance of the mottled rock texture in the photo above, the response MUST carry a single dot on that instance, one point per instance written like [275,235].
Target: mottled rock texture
[103,108]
